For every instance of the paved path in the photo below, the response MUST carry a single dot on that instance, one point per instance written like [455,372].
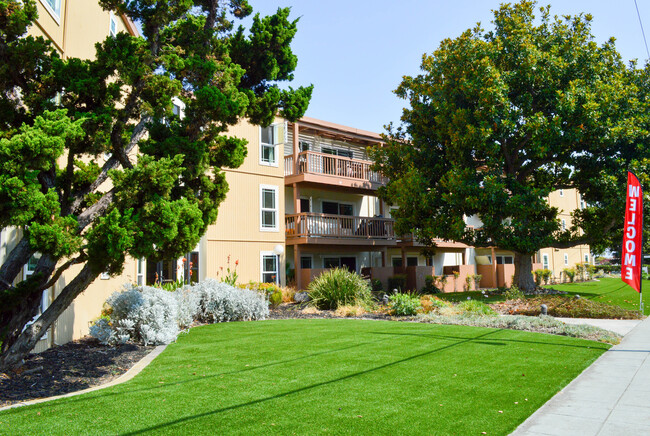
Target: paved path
[610,398]
[620,326]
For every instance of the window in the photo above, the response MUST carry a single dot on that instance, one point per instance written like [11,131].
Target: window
[306,262]
[304,146]
[586,258]
[334,208]
[53,7]
[563,224]
[140,272]
[269,140]
[336,152]
[410,261]
[331,262]
[104,276]
[505,260]
[305,205]
[112,25]
[191,267]
[545,261]
[269,268]
[561,192]
[566,260]
[582,202]
[268,208]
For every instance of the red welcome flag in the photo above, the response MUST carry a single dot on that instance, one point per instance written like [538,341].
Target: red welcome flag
[632,254]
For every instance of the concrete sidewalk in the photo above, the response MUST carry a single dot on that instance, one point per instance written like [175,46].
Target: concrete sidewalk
[611,397]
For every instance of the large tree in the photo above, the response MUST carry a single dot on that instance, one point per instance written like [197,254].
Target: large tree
[499,119]
[95,165]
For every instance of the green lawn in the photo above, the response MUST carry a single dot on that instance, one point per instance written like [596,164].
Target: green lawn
[610,291]
[326,377]
[607,290]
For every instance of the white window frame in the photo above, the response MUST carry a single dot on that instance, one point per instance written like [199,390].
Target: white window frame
[55,11]
[304,146]
[276,141]
[276,210]
[112,19]
[264,254]
[563,224]
[104,276]
[140,271]
[566,259]
[545,262]
[586,257]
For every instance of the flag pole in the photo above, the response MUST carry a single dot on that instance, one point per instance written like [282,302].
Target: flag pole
[642,240]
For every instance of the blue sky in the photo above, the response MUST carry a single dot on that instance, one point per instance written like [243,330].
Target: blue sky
[355,53]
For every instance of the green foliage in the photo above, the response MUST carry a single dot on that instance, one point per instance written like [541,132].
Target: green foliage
[376,286]
[475,307]
[404,304]
[94,162]
[538,276]
[430,285]
[569,273]
[514,293]
[229,276]
[500,118]
[339,287]
[398,281]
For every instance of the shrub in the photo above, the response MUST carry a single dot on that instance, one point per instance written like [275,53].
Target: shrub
[148,315]
[398,281]
[456,276]
[514,293]
[443,281]
[539,276]
[570,273]
[339,287]
[377,287]
[475,307]
[221,302]
[546,275]
[188,306]
[476,278]
[275,297]
[468,282]
[430,285]
[430,303]
[404,304]
[287,294]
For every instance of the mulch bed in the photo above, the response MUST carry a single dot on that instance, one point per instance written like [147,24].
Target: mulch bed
[68,368]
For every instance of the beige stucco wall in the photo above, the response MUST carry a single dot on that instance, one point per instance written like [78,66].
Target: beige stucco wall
[81,23]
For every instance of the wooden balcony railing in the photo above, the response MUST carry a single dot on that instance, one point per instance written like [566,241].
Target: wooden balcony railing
[310,162]
[338,226]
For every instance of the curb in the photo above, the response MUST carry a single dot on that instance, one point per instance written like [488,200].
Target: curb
[132,372]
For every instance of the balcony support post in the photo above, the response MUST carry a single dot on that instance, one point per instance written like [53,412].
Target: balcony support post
[296,265]
[296,149]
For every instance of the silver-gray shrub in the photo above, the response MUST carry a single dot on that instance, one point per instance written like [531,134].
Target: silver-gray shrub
[140,314]
[220,302]
[188,306]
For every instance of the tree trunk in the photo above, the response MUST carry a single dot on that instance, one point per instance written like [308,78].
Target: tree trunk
[524,272]
[28,339]
[14,262]
[21,305]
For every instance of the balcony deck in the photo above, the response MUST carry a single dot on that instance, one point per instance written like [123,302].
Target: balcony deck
[342,172]
[323,229]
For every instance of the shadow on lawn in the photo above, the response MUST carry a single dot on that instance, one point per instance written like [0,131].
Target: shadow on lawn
[306,388]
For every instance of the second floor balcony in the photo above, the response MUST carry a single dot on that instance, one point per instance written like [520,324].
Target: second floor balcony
[318,228]
[322,168]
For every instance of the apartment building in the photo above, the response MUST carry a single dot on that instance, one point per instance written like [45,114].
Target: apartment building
[554,259]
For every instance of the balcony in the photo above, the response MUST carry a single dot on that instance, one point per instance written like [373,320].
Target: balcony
[343,172]
[317,228]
